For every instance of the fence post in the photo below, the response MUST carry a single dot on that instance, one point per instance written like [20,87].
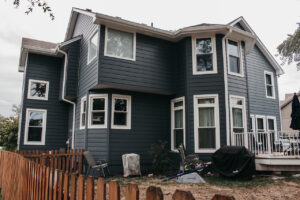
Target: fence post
[154,193]
[101,189]
[182,195]
[132,192]
[114,190]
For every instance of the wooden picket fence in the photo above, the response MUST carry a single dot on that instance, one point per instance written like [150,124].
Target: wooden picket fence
[64,160]
[24,179]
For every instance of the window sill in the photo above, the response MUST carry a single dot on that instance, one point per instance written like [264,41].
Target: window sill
[205,150]
[36,98]
[204,72]
[269,97]
[236,74]
[121,127]
[119,57]
[34,143]
[97,127]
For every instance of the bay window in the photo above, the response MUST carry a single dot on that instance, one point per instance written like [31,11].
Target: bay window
[120,44]
[234,57]
[121,112]
[204,55]
[35,127]
[177,123]
[98,111]
[206,123]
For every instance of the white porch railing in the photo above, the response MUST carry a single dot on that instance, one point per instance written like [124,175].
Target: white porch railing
[271,144]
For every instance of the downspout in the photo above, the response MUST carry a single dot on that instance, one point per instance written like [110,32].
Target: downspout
[228,132]
[63,94]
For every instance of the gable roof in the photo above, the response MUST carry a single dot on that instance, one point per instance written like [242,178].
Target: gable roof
[259,44]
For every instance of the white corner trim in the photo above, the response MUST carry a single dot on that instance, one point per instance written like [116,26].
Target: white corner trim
[173,109]
[196,121]
[273,84]
[243,107]
[95,96]
[128,112]
[120,57]
[214,52]
[42,142]
[241,58]
[34,97]
[89,60]
[81,112]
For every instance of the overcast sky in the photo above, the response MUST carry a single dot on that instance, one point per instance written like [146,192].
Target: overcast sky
[271,20]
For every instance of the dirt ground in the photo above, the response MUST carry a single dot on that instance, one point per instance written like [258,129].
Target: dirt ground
[260,188]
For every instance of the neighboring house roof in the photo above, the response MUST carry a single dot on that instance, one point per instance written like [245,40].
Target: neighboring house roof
[287,100]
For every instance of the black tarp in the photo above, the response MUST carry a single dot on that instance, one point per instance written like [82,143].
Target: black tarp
[295,115]
[234,162]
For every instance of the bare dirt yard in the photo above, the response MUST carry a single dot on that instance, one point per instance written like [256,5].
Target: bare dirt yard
[259,188]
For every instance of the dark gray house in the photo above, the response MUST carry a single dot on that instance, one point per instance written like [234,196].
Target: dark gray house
[115,86]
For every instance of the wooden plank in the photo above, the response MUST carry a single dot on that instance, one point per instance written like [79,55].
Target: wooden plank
[59,160]
[154,193]
[80,186]
[101,189]
[68,161]
[43,182]
[73,187]
[71,161]
[80,163]
[89,192]
[114,190]
[55,184]
[75,161]
[51,159]
[51,176]
[47,183]
[55,159]
[40,181]
[132,192]
[60,186]
[66,186]
[63,160]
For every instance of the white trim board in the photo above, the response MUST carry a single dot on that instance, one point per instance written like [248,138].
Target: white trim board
[83,99]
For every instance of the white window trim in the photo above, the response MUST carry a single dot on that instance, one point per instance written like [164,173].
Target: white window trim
[241,58]
[196,121]
[38,98]
[81,111]
[173,101]
[253,123]
[243,107]
[95,96]
[264,122]
[120,57]
[42,142]
[89,60]
[273,85]
[128,124]
[215,67]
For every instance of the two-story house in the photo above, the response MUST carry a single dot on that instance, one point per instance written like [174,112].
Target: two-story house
[115,86]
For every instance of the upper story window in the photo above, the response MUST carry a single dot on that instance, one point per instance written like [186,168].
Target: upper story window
[121,112]
[238,117]
[38,89]
[269,84]
[92,47]
[235,60]
[120,44]
[35,127]
[204,55]
[177,123]
[206,123]
[83,112]
[98,111]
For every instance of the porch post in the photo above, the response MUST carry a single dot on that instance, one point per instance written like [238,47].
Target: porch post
[269,142]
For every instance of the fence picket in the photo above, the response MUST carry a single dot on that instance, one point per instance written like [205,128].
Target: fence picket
[66,186]
[101,189]
[89,192]
[154,193]
[80,184]
[114,190]
[73,187]
[132,192]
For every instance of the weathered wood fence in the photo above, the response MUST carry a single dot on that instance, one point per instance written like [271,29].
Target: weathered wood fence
[25,179]
[64,160]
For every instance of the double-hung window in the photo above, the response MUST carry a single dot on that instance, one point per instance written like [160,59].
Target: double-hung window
[177,123]
[271,124]
[235,61]
[83,112]
[269,84]
[260,123]
[38,89]
[93,47]
[35,127]
[238,115]
[98,111]
[120,44]
[204,55]
[121,112]
[206,123]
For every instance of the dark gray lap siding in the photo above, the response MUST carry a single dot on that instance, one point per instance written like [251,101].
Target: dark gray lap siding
[259,104]
[47,68]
